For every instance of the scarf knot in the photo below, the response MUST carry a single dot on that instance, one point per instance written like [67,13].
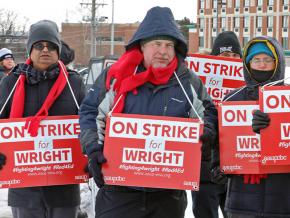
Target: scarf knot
[126,78]
[17,108]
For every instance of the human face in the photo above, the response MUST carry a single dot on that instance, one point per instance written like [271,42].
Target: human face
[158,53]
[230,55]
[262,62]
[43,55]
[8,63]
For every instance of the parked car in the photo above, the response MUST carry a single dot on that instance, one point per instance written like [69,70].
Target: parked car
[96,66]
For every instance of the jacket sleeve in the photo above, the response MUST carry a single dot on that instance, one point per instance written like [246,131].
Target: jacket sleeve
[5,90]
[89,110]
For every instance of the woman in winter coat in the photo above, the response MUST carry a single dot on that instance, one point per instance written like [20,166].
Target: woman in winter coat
[260,195]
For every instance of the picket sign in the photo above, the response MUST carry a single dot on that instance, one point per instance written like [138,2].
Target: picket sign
[220,75]
[240,147]
[275,101]
[53,157]
[152,151]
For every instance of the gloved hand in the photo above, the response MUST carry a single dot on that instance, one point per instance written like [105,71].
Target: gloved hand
[87,170]
[96,159]
[208,139]
[217,176]
[260,121]
[2,160]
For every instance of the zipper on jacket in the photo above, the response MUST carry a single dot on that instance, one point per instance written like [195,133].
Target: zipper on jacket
[165,104]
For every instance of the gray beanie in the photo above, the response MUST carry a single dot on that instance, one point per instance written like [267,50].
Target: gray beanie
[44,30]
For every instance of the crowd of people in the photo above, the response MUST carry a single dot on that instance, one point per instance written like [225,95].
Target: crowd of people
[143,81]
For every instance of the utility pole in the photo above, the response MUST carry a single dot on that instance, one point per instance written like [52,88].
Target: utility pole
[93,29]
[94,7]
[217,17]
[112,30]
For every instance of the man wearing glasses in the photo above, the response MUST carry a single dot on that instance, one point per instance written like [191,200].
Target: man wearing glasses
[42,90]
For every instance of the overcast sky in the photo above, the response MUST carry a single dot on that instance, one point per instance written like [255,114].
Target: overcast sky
[126,11]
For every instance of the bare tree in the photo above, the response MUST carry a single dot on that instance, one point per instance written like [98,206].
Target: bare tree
[11,24]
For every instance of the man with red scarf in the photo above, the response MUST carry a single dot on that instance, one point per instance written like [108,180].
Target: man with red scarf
[42,90]
[144,81]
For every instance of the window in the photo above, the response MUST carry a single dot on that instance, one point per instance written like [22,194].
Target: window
[270,21]
[230,3]
[247,3]
[260,3]
[201,22]
[237,3]
[224,3]
[237,22]
[201,42]
[285,21]
[214,22]
[245,40]
[270,2]
[223,22]
[202,4]
[285,2]
[259,22]
[214,4]
[246,22]
[212,40]
[285,43]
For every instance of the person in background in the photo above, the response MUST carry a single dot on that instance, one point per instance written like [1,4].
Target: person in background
[154,53]
[6,62]
[213,186]
[259,196]
[42,91]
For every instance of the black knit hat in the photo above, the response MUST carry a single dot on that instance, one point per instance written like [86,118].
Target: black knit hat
[67,54]
[226,41]
[44,30]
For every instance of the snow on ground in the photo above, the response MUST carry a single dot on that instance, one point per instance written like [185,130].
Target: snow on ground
[86,204]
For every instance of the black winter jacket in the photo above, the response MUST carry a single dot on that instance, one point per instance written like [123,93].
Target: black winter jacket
[37,86]
[271,198]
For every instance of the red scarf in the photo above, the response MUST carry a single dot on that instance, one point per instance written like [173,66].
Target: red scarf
[254,178]
[17,108]
[126,81]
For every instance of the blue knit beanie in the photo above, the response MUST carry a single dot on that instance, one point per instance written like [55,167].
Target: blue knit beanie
[258,48]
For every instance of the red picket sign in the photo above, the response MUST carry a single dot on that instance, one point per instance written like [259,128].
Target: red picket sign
[152,151]
[275,101]
[240,147]
[220,75]
[53,157]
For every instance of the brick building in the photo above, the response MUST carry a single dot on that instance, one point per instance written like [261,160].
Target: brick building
[247,18]
[77,35]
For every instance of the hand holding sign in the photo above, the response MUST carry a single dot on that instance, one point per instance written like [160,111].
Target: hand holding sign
[96,159]
[2,160]
[260,121]
[209,140]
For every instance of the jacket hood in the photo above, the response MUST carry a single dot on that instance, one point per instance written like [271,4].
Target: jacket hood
[276,49]
[159,21]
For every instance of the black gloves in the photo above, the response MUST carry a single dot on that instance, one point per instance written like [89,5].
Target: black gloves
[260,121]
[209,140]
[2,160]
[217,176]
[96,159]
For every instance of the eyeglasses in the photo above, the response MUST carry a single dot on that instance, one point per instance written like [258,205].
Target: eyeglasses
[40,46]
[266,61]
